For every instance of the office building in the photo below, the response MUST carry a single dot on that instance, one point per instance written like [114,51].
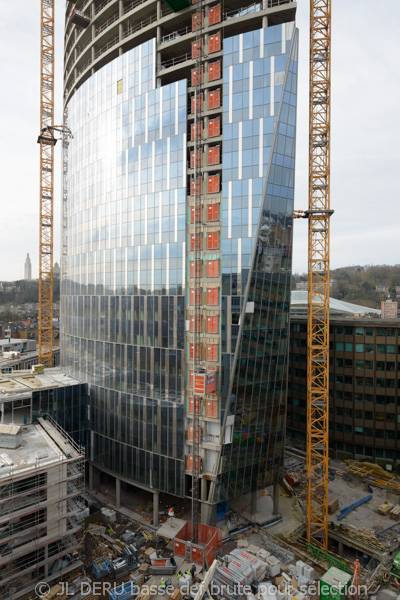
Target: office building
[363,384]
[27,268]
[146,295]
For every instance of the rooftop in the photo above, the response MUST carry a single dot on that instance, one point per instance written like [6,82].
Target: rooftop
[20,382]
[40,444]
[336,307]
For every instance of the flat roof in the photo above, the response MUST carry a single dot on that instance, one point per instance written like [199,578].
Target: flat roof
[41,444]
[23,382]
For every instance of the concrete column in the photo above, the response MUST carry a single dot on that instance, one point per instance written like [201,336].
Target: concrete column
[93,32]
[121,8]
[208,514]
[275,508]
[156,502]
[158,34]
[204,489]
[253,505]
[90,477]
[120,32]
[264,22]
[117,493]
[159,10]
[340,548]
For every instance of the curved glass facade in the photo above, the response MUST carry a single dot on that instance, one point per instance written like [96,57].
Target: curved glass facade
[123,306]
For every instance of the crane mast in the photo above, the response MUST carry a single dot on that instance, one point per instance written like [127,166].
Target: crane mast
[47,142]
[319,213]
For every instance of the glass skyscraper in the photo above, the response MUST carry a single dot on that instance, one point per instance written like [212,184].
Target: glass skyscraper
[128,299]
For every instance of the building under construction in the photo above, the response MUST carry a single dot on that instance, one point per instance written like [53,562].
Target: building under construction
[41,506]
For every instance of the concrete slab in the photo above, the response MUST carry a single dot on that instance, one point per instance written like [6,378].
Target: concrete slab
[171,528]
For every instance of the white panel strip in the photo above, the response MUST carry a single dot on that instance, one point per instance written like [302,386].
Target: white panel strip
[139,167]
[114,259]
[126,172]
[261,43]
[104,270]
[126,268]
[250,224]
[145,219]
[133,121]
[240,152]
[146,118]
[168,160]
[272,98]
[159,217]
[152,267]
[283,38]
[138,267]
[229,209]
[153,166]
[260,148]
[176,216]
[184,162]
[167,282]
[239,255]
[176,107]
[241,48]
[251,89]
[161,107]
[230,93]
[140,69]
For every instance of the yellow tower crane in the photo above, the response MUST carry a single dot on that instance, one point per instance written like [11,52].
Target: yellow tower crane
[318,215]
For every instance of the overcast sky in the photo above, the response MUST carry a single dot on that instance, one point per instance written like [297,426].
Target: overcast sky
[365,164]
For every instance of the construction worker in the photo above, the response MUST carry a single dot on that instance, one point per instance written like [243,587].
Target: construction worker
[163,585]
[193,571]
[179,575]
[188,572]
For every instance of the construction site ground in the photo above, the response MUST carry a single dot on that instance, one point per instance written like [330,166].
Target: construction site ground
[135,513]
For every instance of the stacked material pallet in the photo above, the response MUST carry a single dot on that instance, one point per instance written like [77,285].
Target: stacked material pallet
[385,508]
[395,513]
[333,505]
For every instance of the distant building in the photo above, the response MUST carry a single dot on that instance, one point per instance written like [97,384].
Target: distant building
[56,270]
[389,309]
[28,268]
[397,291]
[382,288]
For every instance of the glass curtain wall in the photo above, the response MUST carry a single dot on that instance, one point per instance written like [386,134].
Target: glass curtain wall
[260,83]
[123,307]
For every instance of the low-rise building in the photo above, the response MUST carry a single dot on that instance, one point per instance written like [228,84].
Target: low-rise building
[41,506]
[363,383]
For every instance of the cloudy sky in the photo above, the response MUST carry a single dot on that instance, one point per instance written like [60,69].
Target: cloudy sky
[365,166]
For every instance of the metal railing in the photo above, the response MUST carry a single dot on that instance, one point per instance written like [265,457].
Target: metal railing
[133,28]
[176,60]
[175,34]
[109,45]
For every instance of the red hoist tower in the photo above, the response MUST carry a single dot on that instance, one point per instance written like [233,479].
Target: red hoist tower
[197,207]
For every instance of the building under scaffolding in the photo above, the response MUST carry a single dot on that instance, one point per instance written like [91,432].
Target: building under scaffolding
[41,506]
